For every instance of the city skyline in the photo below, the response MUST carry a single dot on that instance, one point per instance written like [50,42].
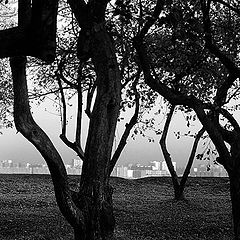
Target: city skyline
[130,171]
[14,146]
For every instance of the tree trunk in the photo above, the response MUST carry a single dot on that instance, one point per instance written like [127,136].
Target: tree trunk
[234,177]
[189,164]
[233,169]
[94,184]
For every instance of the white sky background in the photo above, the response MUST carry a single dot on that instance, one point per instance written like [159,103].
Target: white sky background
[15,147]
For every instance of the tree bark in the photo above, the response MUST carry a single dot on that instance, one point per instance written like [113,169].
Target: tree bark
[234,177]
[167,156]
[94,185]
[190,161]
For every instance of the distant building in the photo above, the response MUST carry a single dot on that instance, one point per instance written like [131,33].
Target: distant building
[122,171]
[156,165]
[6,164]
[154,168]
[156,173]
[165,167]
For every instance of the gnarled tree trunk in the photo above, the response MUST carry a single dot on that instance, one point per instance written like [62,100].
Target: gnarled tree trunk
[95,180]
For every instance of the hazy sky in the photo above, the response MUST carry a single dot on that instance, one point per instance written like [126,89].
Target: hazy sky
[15,147]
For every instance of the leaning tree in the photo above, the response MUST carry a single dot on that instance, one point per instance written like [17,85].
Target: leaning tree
[210,30]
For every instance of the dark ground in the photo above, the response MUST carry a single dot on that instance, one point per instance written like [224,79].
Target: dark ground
[144,209]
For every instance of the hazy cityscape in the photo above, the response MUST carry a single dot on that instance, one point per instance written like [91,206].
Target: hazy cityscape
[153,168]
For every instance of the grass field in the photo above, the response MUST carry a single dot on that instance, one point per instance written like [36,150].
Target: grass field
[144,209]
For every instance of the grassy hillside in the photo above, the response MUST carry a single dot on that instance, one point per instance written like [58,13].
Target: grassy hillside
[144,209]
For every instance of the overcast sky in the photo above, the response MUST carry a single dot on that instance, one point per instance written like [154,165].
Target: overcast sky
[15,147]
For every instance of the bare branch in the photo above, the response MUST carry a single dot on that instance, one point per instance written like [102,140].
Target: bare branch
[64,117]
[162,142]
[191,157]
[79,114]
[128,126]
[33,95]
[73,145]
[60,73]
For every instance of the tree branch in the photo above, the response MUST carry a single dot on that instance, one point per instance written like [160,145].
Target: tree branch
[79,8]
[222,91]
[73,145]
[173,96]
[90,94]
[64,116]
[226,61]
[152,19]
[230,118]
[79,114]
[33,95]
[128,126]
[215,135]
[191,157]
[165,152]
[61,75]
[30,130]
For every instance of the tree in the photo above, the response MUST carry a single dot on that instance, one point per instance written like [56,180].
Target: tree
[178,186]
[89,210]
[214,35]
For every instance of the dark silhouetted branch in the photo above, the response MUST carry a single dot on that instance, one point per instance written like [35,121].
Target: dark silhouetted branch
[128,126]
[227,62]
[191,159]
[73,145]
[165,152]
[26,125]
